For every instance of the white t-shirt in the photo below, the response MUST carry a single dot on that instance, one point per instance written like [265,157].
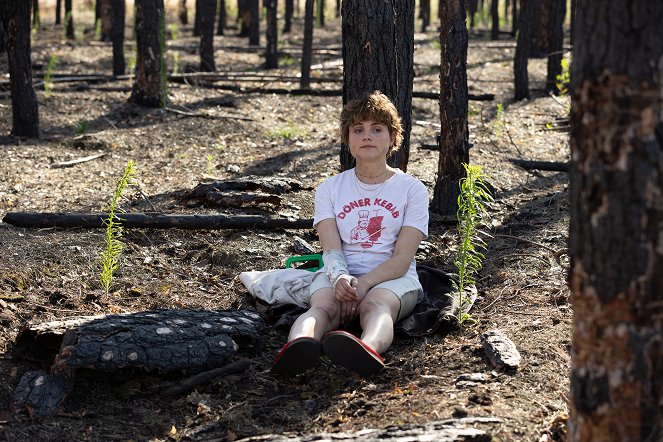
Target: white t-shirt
[369,217]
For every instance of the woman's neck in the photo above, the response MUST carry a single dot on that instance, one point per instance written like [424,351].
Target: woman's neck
[372,173]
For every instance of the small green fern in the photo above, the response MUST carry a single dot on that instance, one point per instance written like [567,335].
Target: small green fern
[471,213]
[113,246]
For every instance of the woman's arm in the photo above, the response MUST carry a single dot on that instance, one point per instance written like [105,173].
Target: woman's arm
[406,247]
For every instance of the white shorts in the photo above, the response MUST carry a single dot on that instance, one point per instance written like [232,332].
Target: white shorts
[407,289]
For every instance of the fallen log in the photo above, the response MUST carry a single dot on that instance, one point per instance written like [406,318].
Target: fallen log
[41,394]
[552,166]
[276,186]
[153,221]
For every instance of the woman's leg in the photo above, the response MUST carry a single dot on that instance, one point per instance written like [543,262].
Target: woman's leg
[378,312]
[321,317]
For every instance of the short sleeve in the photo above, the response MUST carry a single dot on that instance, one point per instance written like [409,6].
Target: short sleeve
[416,213]
[324,206]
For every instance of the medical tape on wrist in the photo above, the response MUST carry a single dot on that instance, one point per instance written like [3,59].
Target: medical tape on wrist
[334,260]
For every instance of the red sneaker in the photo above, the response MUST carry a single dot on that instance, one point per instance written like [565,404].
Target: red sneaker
[297,356]
[347,350]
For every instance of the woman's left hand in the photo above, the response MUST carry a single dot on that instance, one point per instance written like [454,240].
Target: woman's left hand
[349,311]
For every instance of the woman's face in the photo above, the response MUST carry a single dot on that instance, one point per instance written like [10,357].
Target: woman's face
[369,140]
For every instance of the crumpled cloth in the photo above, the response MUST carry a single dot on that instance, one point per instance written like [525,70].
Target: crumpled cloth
[285,289]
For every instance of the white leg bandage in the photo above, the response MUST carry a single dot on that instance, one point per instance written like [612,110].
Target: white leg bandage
[336,266]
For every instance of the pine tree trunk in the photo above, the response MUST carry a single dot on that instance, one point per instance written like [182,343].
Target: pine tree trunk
[520,75]
[287,25]
[105,13]
[472,6]
[540,28]
[321,13]
[616,222]
[244,16]
[207,16]
[196,19]
[495,15]
[223,18]
[378,55]
[183,13]
[271,34]
[454,134]
[338,8]
[118,13]
[556,45]
[25,109]
[424,14]
[4,22]
[254,26]
[35,13]
[69,19]
[150,87]
[307,50]
[514,17]
[58,12]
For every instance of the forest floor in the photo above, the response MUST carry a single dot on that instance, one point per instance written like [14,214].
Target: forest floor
[211,133]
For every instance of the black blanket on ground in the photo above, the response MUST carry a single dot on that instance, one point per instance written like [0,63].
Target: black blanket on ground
[436,312]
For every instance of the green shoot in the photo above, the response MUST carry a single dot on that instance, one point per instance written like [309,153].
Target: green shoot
[498,124]
[174,30]
[564,79]
[471,213]
[286,60]
[48,84]
[210,164]
[97,29]
[131,60]
[289,132]
[176,62]
[113,246]
[81,126]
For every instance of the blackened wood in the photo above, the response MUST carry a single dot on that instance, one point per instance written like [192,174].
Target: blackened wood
[321,13]
[244,17]
[254,25]
[539,23]
[514,17]
[424,14]
[206,377]
[552,166]
[207,10]
[287,18]
[271,34]
[183,13]
[117,36]
[157,340]
[307,52]
[495,15]
[41,394]
[240,199]
[68,19]
[35,13]
[454,133]
[196,18]
[378,53]
[276,186]
[520,75]
[472,7]
[616,222]
[58,12]
[25,109]
[500,350]
[557,14]
[150,88]
[223,18]
[153,221]
[4,22]
[106,19]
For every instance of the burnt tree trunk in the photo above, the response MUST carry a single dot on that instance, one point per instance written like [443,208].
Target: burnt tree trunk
[378,53]
[338,8]
[307,50]
[472,6]
[244,17]
[183,13]
[540,28]
[196,18]
[68,19]
[616,224]
[58,12]
[495,15]
[271,34]
[321,13]
[4,21]
[207,16]
[150,87]
[223,18]
[454,134]
[287,24]
[514,17]
[520,75]
[35,13]
[254,25]
[574,4]
[424,14]
[105,15]
[557,15]
[25,109]
[118,13]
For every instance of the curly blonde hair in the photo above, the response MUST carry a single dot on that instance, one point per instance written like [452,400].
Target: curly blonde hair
[377,107]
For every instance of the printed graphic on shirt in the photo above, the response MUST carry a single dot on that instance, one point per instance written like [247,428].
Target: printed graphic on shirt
[368,230]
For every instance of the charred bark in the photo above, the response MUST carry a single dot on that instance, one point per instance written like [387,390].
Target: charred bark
[539,23]
[287,23]
[520,75]
[244,17]
[4,22]
[35,13]
[150,86]
[307,50]
[378,53]
[424,14]
[207,16]
[271,34]
[153,221]
[68,19]
[472,6]
[495,15]
[616,224]
[321,13]
[254,24]
[223,18]
[454,134]
[41,394]
[25,109]
[105,16]
[514,17]
[197,15]
[117,36]
[557,14]
[58,12]
[183,13]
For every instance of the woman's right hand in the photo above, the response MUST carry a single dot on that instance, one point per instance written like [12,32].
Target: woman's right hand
[345,288]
